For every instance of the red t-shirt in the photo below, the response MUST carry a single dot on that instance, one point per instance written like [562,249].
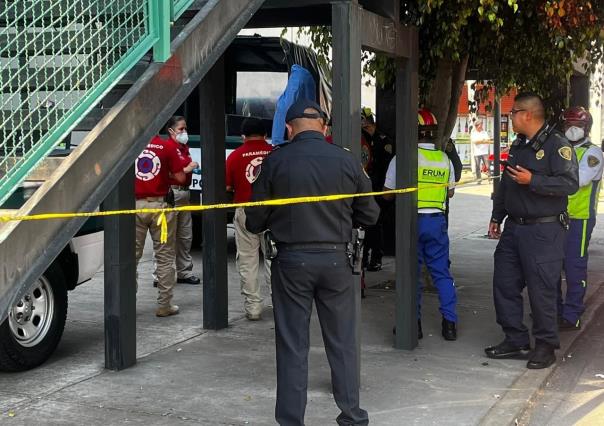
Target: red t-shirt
[183,150]
[153,166]
[243,167]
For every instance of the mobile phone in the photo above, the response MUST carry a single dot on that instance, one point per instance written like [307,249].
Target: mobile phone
[505,164]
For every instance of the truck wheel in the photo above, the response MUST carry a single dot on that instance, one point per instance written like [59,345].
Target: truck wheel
[35,324]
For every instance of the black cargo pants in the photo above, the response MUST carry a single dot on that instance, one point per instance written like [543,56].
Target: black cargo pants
[531,256]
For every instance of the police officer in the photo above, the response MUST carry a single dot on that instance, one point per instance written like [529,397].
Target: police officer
[434,168]
[542,172]
[312,263]
[582,210]
[380,152]
[155,167]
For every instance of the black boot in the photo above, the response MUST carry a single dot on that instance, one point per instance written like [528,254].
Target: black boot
[542,357]
[566,325]
[449,330]
[506,350]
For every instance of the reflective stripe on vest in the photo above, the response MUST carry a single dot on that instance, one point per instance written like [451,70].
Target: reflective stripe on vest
[432,168]
[583,203]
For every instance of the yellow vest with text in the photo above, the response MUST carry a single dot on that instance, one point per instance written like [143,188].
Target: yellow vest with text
[432,168]
[583,203]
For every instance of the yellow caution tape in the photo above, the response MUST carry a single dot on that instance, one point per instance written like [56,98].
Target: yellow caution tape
[162,221]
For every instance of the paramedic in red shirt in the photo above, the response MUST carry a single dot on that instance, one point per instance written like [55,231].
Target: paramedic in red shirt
[242,168]
[155,167]
[177,131]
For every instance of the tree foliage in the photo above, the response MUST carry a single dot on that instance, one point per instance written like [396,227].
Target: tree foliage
[527,44]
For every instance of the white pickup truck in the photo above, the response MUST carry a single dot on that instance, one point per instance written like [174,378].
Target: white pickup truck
[35,323]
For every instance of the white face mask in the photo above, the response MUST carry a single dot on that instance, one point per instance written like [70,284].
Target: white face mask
[182,138]
[574,133]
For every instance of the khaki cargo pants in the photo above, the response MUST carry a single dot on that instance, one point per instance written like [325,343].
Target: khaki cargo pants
[164,253]
[248,259]
[184,235]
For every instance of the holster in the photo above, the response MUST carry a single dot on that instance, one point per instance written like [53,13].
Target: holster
[169,198]
[355,250]
[564,220]
[270,246]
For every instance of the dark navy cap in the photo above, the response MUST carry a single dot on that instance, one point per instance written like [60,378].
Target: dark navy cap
[298,107]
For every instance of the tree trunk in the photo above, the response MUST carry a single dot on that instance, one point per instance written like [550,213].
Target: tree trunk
[443,99]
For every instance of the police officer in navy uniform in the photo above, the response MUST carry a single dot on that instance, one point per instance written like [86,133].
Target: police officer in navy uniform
[542,172]
[312,263]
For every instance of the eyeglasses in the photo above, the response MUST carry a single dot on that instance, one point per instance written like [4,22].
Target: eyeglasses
[514,111]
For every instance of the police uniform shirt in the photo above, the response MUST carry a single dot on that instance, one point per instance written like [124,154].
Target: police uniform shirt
[591,164]
[555,176]
[390,182]
[308,166]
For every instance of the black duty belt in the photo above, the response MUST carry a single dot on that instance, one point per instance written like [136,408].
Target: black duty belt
[534,220]
[180,188]
[311,246]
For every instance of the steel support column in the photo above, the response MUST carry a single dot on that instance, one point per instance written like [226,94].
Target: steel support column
[406,205]
[120,277]
[496,144]
[346,108]
[215,278]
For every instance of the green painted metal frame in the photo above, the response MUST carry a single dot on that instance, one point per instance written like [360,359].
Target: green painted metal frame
[178,8]
[160,14]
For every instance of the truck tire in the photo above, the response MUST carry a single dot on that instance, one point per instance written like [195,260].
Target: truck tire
[35,324]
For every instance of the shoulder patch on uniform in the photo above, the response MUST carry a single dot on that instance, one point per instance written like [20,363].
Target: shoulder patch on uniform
[449,147]
[388,148]
[566,152]
[592,161]
[540,154]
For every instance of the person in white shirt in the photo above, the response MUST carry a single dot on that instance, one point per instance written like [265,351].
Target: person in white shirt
[480,141]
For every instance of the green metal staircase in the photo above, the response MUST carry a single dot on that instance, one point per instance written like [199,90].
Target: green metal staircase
[114,68]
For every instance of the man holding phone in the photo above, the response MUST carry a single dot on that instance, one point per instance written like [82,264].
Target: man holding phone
[540,174]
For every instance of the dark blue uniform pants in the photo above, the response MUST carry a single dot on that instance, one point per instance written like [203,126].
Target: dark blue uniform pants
[575,269]
[531,256]
[298,278]
[433,250]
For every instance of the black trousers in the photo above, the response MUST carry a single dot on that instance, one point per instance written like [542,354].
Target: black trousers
[298,278]
[531,256]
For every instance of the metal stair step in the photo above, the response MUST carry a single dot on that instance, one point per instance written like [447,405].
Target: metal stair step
[22,11]
[66,42]
[56,79]
[27,120]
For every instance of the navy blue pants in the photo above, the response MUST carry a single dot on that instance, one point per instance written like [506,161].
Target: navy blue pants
[433,251]
[575,268]
[531,256]
[298,278]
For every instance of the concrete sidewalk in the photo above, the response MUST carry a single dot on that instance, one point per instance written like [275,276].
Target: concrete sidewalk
[186,375]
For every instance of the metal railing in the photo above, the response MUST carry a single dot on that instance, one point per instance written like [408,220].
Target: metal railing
[58,59]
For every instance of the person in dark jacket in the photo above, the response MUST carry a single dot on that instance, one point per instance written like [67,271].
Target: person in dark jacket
[312,261]
[541,173]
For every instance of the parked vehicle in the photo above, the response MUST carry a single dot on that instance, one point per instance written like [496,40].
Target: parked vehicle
[35,323]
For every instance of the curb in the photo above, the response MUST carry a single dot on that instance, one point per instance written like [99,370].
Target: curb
[519,397]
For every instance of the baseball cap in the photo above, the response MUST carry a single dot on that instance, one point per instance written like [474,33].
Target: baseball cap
[298,107]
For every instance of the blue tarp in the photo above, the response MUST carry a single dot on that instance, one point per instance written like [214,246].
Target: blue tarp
[301,84]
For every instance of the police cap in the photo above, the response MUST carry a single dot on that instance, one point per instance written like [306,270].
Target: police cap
[297,110]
